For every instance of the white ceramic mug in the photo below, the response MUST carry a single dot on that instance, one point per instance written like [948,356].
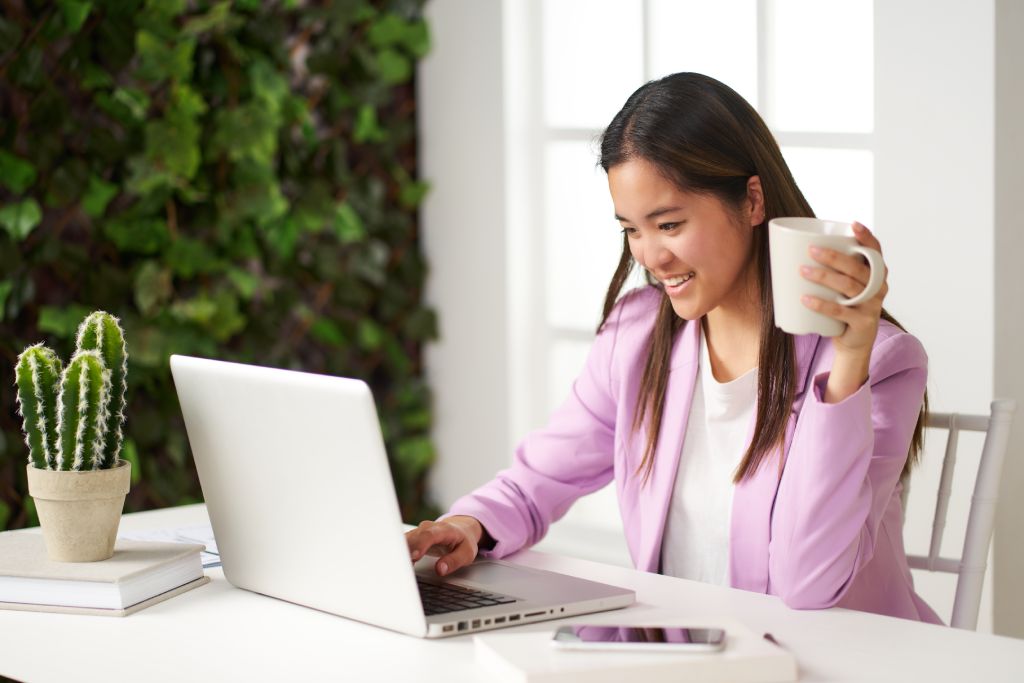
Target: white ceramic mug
[789,240]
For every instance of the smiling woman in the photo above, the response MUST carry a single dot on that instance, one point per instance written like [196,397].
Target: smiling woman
[690,396]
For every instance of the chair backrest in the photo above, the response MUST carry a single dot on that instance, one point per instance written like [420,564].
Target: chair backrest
[980,520]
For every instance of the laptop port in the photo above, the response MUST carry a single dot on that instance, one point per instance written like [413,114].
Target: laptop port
[534,614]
[487,622]
[448,628]
[514,617]
[476,623]
[463,625]
[499,620]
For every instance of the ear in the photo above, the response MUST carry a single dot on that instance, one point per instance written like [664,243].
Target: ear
[755,200]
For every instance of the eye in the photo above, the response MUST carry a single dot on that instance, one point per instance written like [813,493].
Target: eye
[629,232]
[670,226]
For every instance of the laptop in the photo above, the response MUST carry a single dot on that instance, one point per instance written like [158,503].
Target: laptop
[299,492]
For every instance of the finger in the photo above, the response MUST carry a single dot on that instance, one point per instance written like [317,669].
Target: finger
[866,237]
[830,308]
[430,534]
[865,313]
[851,265]
[461,555]
[843,284]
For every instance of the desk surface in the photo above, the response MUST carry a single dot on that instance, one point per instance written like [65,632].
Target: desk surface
[220,632]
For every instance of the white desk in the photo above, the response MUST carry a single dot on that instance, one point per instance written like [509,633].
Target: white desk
[218,632]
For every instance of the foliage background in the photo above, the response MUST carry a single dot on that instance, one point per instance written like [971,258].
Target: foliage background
[233,180]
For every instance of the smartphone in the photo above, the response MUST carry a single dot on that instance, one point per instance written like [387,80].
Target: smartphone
[645,638]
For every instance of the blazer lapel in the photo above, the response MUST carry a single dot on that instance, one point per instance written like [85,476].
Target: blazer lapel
[655,499]
[754,497]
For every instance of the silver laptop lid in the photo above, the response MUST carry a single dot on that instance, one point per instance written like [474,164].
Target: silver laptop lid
[284,458]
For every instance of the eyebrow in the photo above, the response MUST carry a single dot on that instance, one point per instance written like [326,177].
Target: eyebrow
[653,214]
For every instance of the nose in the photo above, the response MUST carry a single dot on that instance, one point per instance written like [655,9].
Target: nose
[655,254]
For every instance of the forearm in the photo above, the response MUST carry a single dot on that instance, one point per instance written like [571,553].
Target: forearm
[849,372]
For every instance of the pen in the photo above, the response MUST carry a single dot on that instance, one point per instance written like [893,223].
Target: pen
[771,639]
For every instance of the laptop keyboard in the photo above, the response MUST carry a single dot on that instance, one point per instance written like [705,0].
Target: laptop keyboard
[442,598]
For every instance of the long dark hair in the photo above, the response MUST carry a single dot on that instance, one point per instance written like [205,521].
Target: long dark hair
[705,138]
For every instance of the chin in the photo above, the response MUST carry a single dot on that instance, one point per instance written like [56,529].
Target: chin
[687,311]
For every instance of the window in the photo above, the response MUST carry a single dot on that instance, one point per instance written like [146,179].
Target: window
[806,65]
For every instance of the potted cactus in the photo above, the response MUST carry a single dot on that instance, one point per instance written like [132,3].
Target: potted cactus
[72,418]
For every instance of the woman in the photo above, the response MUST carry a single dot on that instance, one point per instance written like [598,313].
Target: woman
[741,455]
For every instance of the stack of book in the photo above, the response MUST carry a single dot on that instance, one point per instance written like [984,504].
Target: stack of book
[140,574]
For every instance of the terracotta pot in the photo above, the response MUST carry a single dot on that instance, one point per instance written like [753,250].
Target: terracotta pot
[80,511]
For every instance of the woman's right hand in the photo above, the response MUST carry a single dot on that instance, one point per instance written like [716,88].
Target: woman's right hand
[456,539]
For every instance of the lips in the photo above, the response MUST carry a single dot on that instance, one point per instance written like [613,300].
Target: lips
[677,280]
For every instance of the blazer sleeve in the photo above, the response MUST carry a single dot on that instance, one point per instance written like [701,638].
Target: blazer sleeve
[552,467]
[840,475]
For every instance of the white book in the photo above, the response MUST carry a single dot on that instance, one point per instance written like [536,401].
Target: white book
[530,658]
[140,573]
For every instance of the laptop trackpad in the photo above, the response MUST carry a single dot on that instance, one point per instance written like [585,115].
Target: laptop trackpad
[519,582]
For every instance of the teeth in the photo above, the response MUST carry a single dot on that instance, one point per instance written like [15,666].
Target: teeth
[673,281]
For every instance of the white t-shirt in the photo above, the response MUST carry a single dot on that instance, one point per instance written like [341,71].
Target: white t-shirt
[696,541]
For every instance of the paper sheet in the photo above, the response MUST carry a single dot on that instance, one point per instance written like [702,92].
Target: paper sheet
[196,533]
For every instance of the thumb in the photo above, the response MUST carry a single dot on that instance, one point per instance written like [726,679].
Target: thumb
[461,555]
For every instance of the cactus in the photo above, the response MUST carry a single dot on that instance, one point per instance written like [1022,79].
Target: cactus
[37,376]
[102,332]
[73,417]
[82,410]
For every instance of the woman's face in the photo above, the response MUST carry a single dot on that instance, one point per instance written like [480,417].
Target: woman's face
[693,244]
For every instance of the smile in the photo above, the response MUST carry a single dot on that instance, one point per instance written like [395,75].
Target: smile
[674,281]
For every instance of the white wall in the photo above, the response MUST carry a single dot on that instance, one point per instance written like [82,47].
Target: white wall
[461,123]
[1009,306]
[934,171]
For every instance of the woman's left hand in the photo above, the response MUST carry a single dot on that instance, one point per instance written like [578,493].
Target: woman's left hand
[848,275]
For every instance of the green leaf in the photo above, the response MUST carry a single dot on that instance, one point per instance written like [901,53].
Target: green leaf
[269,86]
[146,177]
[61,322]
[281,236]
[152,287]
[130,452]
[411,194]
[348,226]
[94,77]
[248,132]
[134,100]
[159,61]
[20,219]
[245,283]
[187,257]
[172,148]
[326,331]
[370,335]
[391,30]
[16,173]
[218,18]
[75,13]
[97,196]
[142,236]
[367,129]
[5,291]
[199,310]
[5,514]
[392,67]
[415,455]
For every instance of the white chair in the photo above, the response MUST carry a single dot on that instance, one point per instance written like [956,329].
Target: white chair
[971,565]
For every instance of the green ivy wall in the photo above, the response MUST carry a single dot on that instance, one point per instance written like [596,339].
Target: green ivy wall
[233,180]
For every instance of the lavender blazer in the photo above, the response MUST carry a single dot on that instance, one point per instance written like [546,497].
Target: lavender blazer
[828,532]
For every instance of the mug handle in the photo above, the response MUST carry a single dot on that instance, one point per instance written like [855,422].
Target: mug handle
[876,279]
